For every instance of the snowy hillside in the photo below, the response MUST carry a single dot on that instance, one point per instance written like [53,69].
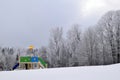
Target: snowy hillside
[111,72]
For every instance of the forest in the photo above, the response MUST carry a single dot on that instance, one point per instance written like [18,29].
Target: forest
[98,44]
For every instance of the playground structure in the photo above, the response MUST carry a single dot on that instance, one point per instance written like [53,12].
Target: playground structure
[30,62]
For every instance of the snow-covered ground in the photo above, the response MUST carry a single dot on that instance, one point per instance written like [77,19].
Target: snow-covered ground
[111,72]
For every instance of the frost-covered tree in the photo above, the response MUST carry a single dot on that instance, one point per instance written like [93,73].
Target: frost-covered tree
[91,48]
[8,58]
[106,23]
[116,24]
[55,46]
[44,54]
[74,45]
[110,23]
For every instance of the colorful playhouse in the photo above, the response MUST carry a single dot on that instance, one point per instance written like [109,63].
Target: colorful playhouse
[30,62]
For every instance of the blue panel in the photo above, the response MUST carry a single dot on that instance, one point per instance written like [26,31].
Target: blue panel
[34,59]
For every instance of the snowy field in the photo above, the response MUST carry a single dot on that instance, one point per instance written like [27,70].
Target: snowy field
[111,72]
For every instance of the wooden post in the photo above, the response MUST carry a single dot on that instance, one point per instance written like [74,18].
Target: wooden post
[31,65]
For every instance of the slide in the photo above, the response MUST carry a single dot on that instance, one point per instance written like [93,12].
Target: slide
[15,66]
[42,62]
[40,65]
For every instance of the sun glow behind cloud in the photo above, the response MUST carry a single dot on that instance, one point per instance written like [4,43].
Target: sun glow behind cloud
[92,5]
[97,7]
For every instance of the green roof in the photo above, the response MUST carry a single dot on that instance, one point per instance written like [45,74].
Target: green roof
[25,59]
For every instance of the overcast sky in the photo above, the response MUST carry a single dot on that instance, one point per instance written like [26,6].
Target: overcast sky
[28,22]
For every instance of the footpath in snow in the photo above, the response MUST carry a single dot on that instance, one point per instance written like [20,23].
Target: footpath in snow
[111,72]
